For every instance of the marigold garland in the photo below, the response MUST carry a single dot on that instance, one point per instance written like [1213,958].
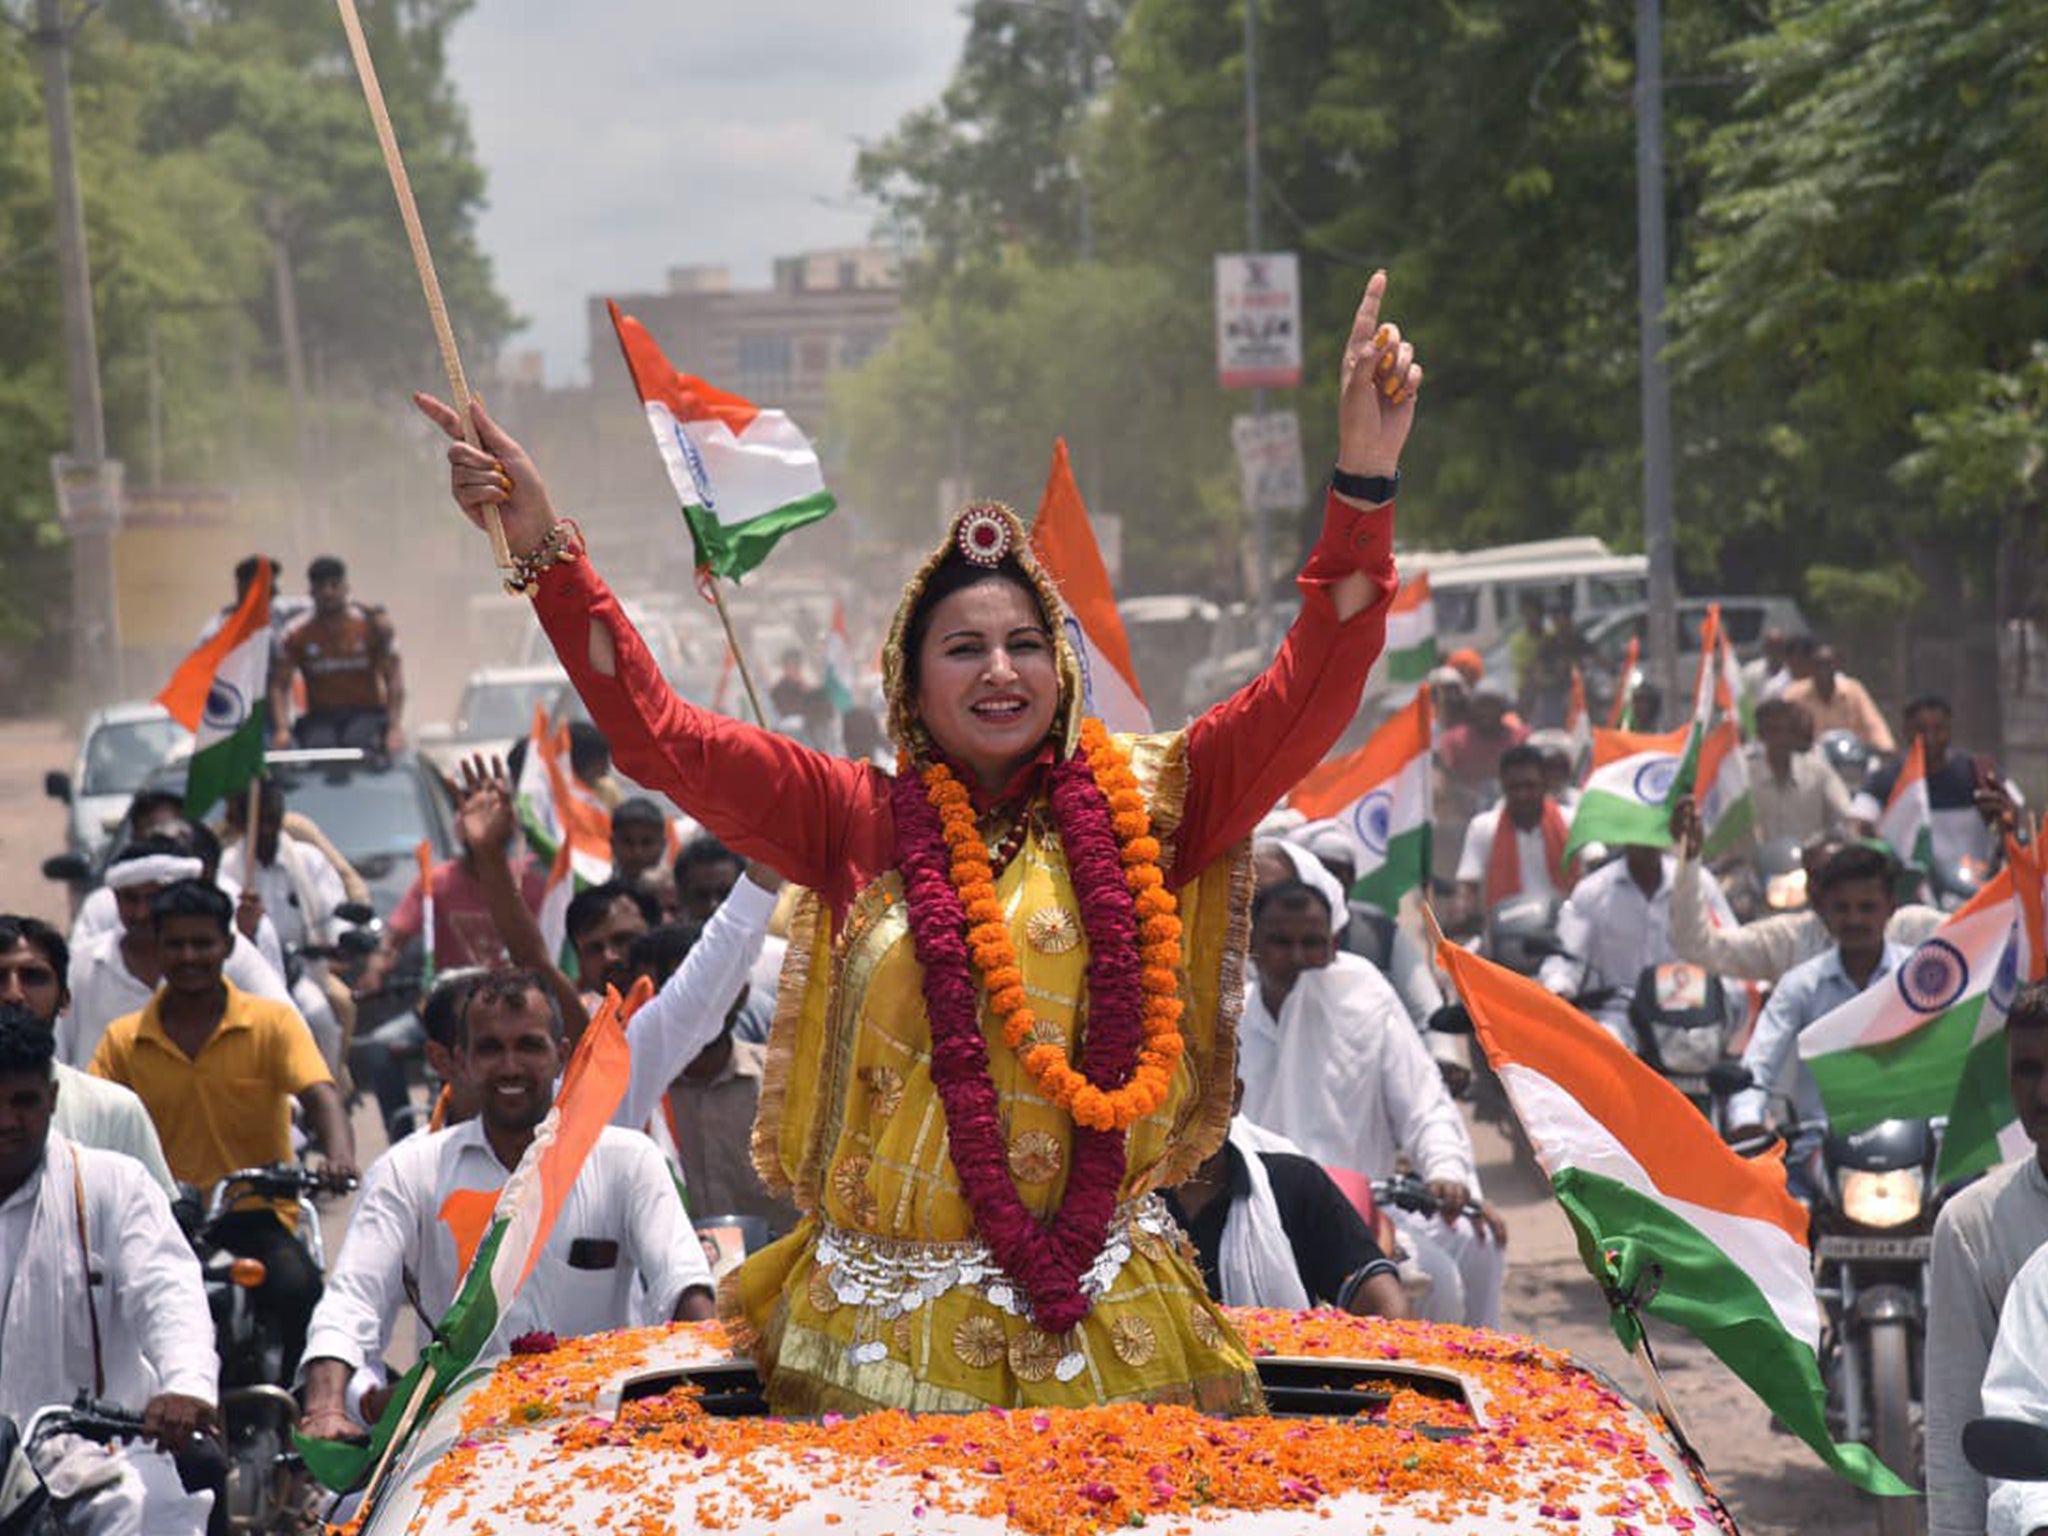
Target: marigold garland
[995,955]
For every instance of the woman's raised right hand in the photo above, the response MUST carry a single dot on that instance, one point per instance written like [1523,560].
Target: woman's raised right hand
[499,474]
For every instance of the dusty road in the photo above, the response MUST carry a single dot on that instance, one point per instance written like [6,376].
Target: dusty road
[1774,1484]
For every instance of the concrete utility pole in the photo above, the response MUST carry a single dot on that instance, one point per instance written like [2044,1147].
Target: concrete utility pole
[1662,659]
[1262,520]
[95,627]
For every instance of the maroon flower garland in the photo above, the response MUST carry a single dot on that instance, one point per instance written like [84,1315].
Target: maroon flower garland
[1047,1259]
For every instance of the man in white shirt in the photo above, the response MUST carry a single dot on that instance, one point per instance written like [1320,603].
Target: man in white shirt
[1615,925]
[2016,1387]
[706,872]
[1329,1060]
[1796,791]
[116,974]
[1532,862]
[90,1110]
[1982,1239]
[116,1310]
[430,1204]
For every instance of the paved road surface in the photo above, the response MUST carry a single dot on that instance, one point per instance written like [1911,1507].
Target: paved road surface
[1774,1484]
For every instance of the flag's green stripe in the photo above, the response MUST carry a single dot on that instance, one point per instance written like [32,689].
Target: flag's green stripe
[1413,664]
[538,838]
[1910,1078]
[1731,831]
[1405,867]
[1623,1232]
[225,767]
[733,549]
[1617,819]
[1981,1109]
[837,691]
[1687,778]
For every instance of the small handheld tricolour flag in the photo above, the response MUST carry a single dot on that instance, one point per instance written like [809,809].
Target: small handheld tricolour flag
[524,1217]
[745,475]
[218,694]
[1621,711]
[1380,795]
[1410,653]
[839,660]
[423,854]
[1712,768]
[555,810]
[1626,799]
[1065,545]
[1907,824]
[1670,1220]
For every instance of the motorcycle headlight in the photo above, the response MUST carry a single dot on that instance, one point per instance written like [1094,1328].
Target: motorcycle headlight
[1889,1199]
[1786,892]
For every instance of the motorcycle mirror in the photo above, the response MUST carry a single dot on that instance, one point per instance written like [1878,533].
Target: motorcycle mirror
[356,941]
[357,912]
[57,785]
[1451,1019]
[71,868]
[1728,1077]
[2013,1449]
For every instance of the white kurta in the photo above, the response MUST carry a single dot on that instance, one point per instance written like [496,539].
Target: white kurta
[2016,1387]
[96,1113]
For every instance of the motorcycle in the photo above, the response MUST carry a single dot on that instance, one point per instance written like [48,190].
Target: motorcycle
[1768,880]
[1955,880]
[1682,1022]
[1874,1204]
[267,1487]
[28,1507]
[1848,756]
[2011,1450]
[1521,933]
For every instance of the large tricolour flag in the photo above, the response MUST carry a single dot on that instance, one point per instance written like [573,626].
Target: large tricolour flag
[745,475]
[1410,651]
[218,694]
[521,1222]
[1907,824]
[1380,795]
[1626,796]
[1654,1195]
[1065,545]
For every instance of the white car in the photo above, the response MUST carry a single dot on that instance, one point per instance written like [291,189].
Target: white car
[495,711]
[1398,1428]
[122,745]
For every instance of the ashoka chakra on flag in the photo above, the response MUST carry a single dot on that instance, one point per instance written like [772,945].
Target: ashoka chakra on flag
[1934,977]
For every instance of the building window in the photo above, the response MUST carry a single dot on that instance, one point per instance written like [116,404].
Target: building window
[814,356]
[857,346]
[764,368]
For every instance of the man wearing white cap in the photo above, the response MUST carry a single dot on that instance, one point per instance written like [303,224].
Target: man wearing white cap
[115,974]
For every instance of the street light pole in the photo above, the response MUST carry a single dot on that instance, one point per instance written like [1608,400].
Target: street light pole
[94,623]
[1662,630]
[1262,522]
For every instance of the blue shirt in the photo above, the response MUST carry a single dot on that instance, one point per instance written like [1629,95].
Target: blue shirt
[1807,993]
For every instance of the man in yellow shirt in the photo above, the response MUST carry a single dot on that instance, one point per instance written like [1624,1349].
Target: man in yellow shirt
[217,1069]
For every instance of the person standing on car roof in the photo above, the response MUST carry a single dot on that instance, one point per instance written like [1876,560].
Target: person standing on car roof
[285,610]
[1967,797]
[1982,1238]
[217,1070]
[347,652]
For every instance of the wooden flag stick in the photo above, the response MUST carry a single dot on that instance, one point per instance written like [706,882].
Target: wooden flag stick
[716,588]
[423,259]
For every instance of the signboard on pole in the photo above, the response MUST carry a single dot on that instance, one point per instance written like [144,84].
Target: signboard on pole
[88,493]
[1269,461]
[1258,320]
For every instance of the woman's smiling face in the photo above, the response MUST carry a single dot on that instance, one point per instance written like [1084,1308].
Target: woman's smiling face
[988,682]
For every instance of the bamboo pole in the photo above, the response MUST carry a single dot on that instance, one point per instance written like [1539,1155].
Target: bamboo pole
[716,589]
[423,260]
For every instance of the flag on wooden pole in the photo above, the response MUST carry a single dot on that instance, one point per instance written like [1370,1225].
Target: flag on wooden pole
[219,694]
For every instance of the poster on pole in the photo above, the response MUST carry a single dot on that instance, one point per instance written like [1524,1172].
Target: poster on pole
[1269,461]
[1258,320]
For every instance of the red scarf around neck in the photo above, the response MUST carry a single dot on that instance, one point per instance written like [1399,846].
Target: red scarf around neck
[1504,864]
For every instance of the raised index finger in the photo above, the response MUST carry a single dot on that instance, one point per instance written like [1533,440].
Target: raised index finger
[440,414]
[1367,321]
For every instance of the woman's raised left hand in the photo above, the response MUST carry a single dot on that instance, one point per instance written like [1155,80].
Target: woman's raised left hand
[1376,401]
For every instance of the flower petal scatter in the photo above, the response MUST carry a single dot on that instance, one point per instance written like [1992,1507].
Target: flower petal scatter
[1555,1445]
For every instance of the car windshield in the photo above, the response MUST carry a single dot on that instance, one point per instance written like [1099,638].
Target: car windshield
[119,757]
[505,708]
[368,814]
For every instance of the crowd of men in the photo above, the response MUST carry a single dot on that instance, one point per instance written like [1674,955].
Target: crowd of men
[166,1043]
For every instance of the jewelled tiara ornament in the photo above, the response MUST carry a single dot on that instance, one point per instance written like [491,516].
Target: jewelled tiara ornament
[983,536]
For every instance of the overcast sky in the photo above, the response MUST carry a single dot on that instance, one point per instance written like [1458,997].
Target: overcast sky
[625,137]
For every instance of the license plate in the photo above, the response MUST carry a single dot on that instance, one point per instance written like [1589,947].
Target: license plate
[1894,1248]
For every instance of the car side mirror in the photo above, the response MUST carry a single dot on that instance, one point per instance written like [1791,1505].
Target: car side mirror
[71,868]
[57,785]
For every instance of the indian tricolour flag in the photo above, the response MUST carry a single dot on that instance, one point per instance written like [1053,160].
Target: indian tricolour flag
[1064,543]
[523,1219]
[1578,725]
[745,475]
[839,660]
[554,808]
[1626,796]
[423,856]
[218,694]
[1712,767]
[1671,1222]
[1410,652]
[1380,795]
[1930,1040]
[553,916]
[1907,824]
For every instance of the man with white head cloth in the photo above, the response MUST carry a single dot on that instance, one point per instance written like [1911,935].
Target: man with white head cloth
[116,974]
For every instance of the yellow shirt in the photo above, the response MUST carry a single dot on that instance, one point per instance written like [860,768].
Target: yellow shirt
[228,1107]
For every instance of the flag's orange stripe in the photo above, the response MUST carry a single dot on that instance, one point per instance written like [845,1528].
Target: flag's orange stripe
[185,694]
[1065,545]
[1411,595]
[655,378]
[1912,773]
[1337,782]
[1518,1021]
[1613,746]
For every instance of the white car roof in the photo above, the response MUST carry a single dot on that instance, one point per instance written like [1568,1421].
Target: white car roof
[595,1436]
[126,714]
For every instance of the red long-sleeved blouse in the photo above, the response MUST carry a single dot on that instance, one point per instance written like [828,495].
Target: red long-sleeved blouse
[826,822]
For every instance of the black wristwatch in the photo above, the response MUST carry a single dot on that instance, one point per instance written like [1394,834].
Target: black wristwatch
[1368,488]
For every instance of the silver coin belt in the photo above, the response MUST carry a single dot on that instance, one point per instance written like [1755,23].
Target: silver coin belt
[894,1277]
